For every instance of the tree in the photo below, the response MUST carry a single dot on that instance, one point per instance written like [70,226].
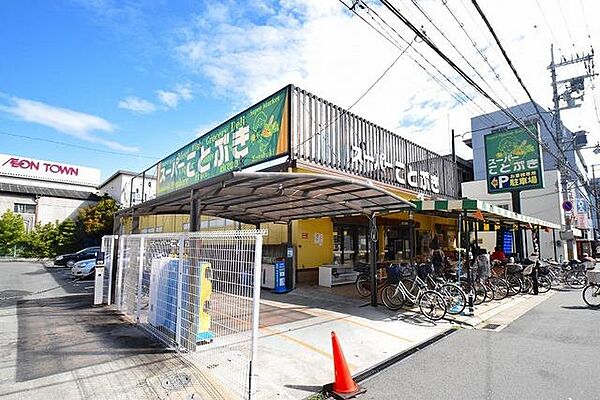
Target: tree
[97,219]
[66,237]
[39,242]
[12,232]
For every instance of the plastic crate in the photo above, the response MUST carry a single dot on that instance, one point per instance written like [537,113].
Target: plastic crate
[593,276]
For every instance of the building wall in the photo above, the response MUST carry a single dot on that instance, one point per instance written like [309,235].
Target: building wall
[313,240]
[8,201]
[54,209]
[119,189]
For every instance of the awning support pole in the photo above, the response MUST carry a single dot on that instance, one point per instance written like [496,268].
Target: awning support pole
[373,255]
[460,246]
[554,244]
[411,237]
[193,212]
[516,207]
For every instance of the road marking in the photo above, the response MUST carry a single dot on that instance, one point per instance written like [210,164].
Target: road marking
[283,335]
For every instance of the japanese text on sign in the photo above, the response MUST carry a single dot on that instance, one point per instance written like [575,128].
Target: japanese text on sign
[403,174]
[253,136]
[513,161]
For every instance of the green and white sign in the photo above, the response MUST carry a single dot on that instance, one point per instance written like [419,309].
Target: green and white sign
[253,136]
[513,161]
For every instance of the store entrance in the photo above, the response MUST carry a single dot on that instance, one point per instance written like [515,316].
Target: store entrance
[350,243]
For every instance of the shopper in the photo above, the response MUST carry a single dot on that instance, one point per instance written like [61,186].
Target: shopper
[498,254]
[484,268]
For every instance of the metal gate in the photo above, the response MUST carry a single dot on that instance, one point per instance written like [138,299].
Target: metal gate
[199,294]
[108,247]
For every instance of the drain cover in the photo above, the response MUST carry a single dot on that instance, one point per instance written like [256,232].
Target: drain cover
[491,327]
[176,382]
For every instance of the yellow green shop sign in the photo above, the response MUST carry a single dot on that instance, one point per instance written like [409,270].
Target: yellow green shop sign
[513,161]
[253,136]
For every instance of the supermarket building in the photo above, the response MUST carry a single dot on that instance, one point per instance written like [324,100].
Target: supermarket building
[322,180]
[44,191]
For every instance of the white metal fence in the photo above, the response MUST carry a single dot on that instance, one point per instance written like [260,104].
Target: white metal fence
[108,248]
[199,294]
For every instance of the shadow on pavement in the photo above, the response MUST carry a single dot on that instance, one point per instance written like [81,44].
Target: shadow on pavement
[581,307]
[61,334]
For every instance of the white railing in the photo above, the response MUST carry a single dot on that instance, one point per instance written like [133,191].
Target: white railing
[199,294]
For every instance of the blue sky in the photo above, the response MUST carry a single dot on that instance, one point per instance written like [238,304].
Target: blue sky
[143,78]
[90,59]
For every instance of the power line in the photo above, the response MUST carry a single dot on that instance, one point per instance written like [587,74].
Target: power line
[587,27]
[482,14]
[483,56]
[77,146]
[416,4]
[468,78]
[562,14]
[549,27]
[329,123]
[514,70]
[372,13]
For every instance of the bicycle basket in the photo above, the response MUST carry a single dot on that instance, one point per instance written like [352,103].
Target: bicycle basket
[593,276]
[424,270]
[362,267]
[406,271]
[393,273]
[543,270]
[514,268]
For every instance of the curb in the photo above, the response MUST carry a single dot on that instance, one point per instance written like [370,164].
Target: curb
[382,365]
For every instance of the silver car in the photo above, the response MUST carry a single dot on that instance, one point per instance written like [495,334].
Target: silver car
[83,268]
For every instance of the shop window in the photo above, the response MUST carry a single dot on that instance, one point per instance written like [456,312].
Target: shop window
[24,208]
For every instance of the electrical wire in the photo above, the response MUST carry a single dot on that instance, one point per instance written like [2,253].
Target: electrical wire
[78,146]
[549,27]
[377,18]
[482,55]
[475,70]
[587,27]
[469,80]
[329,123]
[562,14]
[514,70]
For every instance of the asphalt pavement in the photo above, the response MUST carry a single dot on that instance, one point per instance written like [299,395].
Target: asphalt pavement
[54,345]
[551,352]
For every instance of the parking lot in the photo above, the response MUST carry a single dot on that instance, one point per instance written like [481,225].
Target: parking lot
[55,345]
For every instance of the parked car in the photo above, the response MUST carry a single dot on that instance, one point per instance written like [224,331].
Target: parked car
[84,268]
[70,259]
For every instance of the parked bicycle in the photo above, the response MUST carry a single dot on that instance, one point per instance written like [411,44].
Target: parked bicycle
[591,292]
[363,280]
[455,297]
[569,273]
[431,303]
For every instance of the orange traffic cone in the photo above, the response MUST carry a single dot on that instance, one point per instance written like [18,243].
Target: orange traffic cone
[344,386]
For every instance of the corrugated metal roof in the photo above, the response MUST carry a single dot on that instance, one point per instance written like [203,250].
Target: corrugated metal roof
[255,197]
[49,192]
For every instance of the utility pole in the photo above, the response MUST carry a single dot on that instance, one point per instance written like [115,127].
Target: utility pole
[573,86]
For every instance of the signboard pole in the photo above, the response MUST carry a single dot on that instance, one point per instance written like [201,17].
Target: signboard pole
[554,244]
[516,206]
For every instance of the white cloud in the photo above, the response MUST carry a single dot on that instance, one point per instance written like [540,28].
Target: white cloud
[328,51]
[172,98]
[137,105]
[73,123]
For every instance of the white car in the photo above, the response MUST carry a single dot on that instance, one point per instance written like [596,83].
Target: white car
[83,268]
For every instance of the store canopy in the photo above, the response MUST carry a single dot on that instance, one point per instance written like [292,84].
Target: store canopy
[255,197]
[480,210]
